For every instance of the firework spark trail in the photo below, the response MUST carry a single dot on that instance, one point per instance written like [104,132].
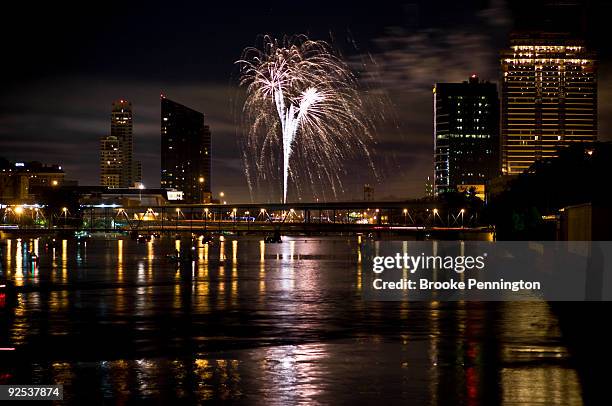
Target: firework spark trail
[300,87]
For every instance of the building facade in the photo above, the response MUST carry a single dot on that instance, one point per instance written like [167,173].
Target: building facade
[122,129]
[185,151]
[117,165]
[466,135]
[110,162]
[24,181]
[549,98]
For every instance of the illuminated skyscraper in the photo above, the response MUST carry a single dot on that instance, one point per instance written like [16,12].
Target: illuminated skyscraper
[549,98]
[110,162]
[185,151]
[466,135]
[122,128]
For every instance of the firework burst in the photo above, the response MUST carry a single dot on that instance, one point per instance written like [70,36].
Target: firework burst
[303,104]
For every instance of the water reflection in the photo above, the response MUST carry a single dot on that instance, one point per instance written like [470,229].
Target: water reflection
[284,323]
[18,263]
[547,385]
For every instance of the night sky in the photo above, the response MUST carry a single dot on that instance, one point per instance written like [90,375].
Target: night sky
[65,62]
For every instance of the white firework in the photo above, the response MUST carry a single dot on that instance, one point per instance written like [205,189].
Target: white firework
[303,102]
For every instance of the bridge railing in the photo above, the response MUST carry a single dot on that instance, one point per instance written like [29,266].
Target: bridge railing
[180,217]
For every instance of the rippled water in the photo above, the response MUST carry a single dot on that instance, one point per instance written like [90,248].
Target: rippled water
[254,322]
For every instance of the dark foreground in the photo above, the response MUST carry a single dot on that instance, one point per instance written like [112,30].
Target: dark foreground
[116,321]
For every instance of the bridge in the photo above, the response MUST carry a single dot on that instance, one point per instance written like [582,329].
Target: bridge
[312,217]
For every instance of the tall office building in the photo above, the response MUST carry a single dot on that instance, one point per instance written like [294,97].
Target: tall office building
[549,98]
[122,128]
[466,135]
[110,162]
[117,165]
[185,151]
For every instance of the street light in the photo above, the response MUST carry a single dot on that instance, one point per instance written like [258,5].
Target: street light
[18,211]
[65,211]
[201,180]
[140,187]
[405,216]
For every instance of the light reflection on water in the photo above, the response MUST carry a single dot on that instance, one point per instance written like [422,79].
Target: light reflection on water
[249,320]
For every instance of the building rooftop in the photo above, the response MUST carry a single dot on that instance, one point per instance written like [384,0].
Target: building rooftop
[32,166]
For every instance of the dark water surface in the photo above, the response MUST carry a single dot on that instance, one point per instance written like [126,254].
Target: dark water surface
[262,323]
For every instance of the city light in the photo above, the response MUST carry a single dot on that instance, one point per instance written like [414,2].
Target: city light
[328,302]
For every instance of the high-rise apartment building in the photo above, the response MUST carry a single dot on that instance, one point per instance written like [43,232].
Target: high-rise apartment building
[122,129]
[117,165]
[466,135]
[185,151]
[110,162]
[549,98]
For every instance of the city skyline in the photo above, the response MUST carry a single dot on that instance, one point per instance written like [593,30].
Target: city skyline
[306,202]
[34,127]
